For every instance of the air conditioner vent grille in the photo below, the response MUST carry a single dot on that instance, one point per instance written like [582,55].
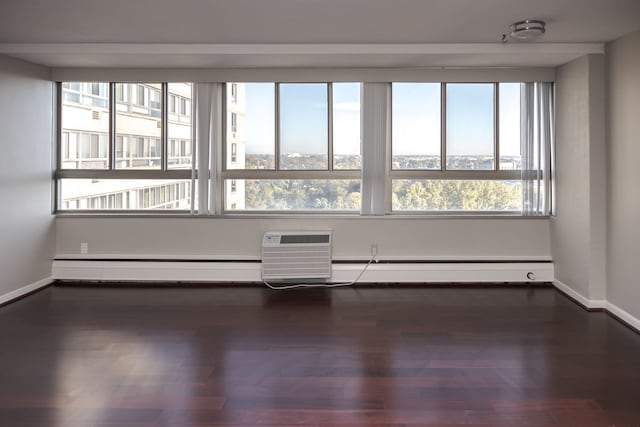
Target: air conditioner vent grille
[296,255]
[304,238]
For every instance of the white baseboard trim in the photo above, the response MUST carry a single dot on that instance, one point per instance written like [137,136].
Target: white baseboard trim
[202,271]
[613,309]
[490,272]
[581,299]
[170,271]
[25,290]
[623,315]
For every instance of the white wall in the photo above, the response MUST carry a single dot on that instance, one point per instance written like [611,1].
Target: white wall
[623,202]
[397,238]
[26,223]
[579,225]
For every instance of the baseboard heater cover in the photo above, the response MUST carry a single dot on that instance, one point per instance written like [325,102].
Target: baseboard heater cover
[246,271]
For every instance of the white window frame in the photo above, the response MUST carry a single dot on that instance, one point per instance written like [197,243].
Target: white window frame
[111,172]
[219,172]
[287,174]
[495,174]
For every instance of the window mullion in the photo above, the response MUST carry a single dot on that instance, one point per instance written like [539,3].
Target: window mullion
[225,150]
[276,151]
[457,174]
[59,141]
[164,132]
[330,126]
[111,161]
[290,174]
[56,187]
[496,126]
[443,127]
[203,94]
[388,147]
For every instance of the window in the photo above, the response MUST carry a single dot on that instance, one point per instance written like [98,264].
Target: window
[95,94]
[315,130]
[122,94]
[473,164]
[71,92]
[346,126]
[470,142]
[154,99]
[255,125]
[84,134]
[137,175]
[234,152]
[138,129]
[416,118]
[140,91]
[509,126]
[183,106]
[234,93]
[94,88]
[303,125]
[179,127]
[419,148]
[234,123]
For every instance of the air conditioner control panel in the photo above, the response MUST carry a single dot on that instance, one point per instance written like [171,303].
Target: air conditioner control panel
[271,239]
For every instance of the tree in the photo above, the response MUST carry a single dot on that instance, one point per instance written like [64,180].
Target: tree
[456,195]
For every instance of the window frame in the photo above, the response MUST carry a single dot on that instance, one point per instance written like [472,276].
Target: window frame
[330,173]
[223,174]
[111,172]
[443,173]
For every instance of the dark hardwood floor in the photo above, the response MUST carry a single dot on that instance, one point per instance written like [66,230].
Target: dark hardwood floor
[247,356]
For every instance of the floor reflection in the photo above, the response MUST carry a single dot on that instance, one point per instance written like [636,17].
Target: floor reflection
[111,375]
[247,356]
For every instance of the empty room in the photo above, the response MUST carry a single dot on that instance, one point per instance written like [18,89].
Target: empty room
[319,213]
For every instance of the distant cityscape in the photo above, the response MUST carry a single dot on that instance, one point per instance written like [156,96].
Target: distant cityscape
[297,161]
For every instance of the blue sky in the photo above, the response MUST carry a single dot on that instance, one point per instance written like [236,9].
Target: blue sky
[470,119]
[416,118]
[260,118]
[303,118]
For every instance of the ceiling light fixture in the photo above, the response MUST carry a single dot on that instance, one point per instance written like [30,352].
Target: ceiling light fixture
[528,29]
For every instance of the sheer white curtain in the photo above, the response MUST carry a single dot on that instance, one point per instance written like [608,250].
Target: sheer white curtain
[536,129]
[208,124]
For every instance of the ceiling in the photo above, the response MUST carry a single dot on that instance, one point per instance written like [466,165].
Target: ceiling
[306,33]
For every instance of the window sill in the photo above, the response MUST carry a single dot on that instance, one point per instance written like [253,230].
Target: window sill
[300,215]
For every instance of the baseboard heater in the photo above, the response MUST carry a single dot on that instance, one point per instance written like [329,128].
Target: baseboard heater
[251,271]
[296,255]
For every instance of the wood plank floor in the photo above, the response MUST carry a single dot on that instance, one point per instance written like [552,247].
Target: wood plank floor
[247,356]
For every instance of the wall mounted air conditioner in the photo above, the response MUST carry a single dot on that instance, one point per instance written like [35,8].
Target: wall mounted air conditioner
[288,255]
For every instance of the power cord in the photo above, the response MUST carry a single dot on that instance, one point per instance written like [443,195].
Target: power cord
[325,285]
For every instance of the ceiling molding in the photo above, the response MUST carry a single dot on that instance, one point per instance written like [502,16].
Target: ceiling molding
[432,74]
[300,49]
[296,56]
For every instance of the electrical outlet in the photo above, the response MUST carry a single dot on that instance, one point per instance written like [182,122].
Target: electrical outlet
[374,249]
[84,248]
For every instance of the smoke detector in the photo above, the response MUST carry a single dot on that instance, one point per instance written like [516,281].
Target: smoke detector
[529,29]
